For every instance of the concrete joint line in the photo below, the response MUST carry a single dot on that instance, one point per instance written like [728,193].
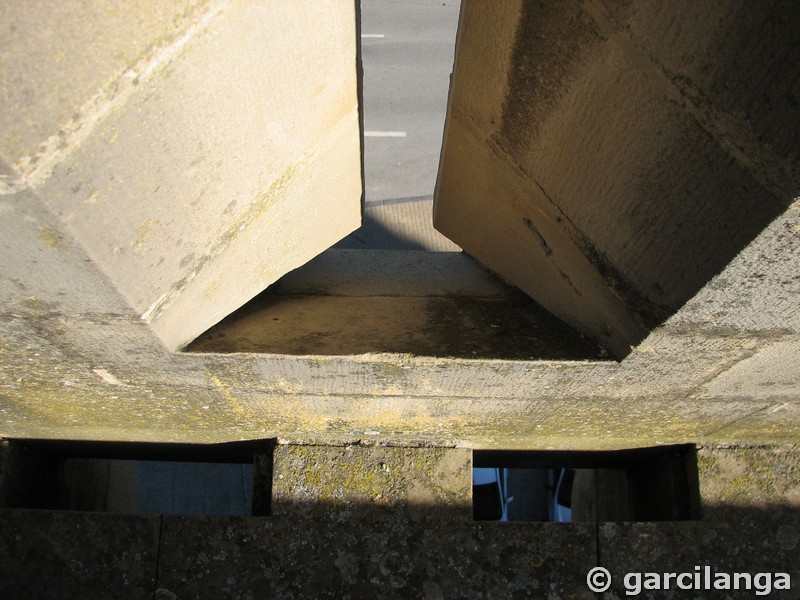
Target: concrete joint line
[748,352]
[730,134]
[35,170]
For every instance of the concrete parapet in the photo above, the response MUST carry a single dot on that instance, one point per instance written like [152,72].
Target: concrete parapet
[331,538]
[196,156]
[611,158]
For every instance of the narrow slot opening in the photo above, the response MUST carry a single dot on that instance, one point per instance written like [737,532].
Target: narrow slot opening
[231,479]
[396,285]
[643,484]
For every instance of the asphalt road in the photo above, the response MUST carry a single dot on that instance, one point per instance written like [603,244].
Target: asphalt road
[406,79]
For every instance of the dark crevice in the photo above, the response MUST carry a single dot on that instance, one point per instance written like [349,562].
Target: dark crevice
[158,557]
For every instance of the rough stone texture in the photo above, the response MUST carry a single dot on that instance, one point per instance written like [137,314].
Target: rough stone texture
[350,477]
[373,553]
[56,56]
[758,478]
[748,541]
[623,169]
[364,522]
[46,554]
[81,364]
[751,524]
[76,361]
[204,148]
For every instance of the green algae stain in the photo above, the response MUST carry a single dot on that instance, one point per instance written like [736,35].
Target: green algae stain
[51,237]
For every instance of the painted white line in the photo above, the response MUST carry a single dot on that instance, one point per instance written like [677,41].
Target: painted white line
[396,134]
[372,36]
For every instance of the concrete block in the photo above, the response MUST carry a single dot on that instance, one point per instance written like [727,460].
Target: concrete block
[214,171]
[420,480]
[374,553]
[46,554]
[594,181]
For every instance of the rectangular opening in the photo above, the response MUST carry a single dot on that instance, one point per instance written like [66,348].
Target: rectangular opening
[643,484]
[231,479]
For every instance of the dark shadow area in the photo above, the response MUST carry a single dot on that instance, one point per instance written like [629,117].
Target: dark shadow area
[231,479]
[644,484]
[373,234]
[362,550]
[439,304]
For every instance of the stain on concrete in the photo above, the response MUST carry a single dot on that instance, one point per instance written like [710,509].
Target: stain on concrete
[51,237]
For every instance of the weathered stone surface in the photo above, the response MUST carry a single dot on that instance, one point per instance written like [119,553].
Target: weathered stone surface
[337,555]
[748,541]
[203,148]
[751,524]
[583,163]
[345,478]
[76,361]
[47,554]
[758,478]
[390,523]
[57,56]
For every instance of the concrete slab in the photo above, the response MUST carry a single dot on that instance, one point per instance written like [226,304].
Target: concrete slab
[47,554]
[208,151]
[596,175]
[392,557]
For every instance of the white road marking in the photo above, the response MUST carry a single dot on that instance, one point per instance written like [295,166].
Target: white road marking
[395,134]
[372,36]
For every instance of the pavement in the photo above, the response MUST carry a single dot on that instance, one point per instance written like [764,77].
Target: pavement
[407,53]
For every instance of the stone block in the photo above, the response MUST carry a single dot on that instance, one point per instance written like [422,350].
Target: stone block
[373,554]
[56,57]
[425,481]
[217,161]
[46,554]
[598,180]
